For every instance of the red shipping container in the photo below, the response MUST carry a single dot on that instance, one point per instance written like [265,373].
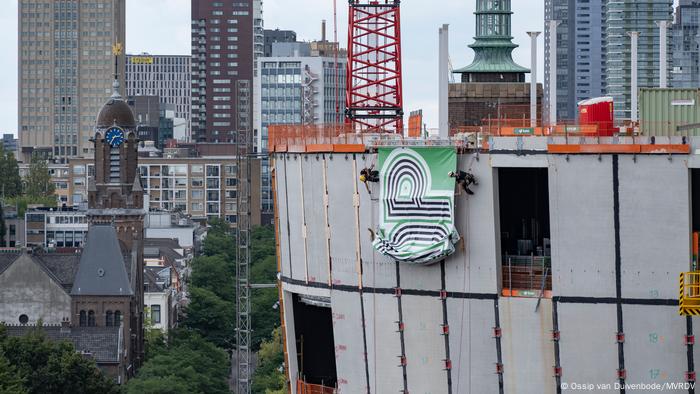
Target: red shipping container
[598,111]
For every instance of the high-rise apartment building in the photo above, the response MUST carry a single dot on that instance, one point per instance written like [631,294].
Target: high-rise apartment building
[685,40]
[580,53]
[66,69]
[165,76]
[224,43]
[623,17]
[277,35]
[295,90]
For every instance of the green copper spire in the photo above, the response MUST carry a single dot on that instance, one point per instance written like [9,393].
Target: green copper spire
[493,45]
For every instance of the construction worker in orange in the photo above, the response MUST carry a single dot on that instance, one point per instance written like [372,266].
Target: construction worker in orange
[463,180]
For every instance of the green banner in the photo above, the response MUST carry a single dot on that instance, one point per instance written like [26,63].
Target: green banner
[416,204]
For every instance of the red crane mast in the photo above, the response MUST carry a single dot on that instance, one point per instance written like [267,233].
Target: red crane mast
[374,95]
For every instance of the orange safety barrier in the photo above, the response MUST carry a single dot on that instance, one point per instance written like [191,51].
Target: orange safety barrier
[308,388]
[344,138]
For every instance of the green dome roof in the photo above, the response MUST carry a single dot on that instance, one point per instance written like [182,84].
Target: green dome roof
[493,46]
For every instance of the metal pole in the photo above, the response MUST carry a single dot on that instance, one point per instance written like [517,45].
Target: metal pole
[634,35]
[533,77]
[443,80]
[553,72]
[663,54]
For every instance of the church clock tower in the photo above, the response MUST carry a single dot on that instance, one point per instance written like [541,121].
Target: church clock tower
[115,197]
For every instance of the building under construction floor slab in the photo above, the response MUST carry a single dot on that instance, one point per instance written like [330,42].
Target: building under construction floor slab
[609,219]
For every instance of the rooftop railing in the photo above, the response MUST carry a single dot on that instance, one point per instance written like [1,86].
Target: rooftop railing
[345,138]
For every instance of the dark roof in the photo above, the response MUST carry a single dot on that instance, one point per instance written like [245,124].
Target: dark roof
[101,342]
[116,111]
[166,248]
[6,259]
[151,251]
[169,242]
[150,279]
[64,267]
[102,270]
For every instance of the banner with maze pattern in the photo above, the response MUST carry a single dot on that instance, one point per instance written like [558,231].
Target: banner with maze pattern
[416,204]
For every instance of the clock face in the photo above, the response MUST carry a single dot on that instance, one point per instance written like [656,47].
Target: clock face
[115,136]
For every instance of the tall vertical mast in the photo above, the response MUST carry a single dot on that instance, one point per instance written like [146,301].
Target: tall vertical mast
[374,100]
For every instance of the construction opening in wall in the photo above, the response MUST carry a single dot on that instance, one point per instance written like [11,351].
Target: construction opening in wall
[695,210]
[313,327]
[525,235]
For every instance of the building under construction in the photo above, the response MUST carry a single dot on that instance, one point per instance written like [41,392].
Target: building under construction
[502,259]
[565,269]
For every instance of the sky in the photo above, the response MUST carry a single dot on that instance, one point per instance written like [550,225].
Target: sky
[163,27]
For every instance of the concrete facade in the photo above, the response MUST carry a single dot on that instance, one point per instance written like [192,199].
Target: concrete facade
[612,216]
[27,289]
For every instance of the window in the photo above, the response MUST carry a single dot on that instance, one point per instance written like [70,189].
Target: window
[212,170]
[197,206]
[83,318]
[155,314]
[91,318]
[212,195]
[117,318]
[197,182]
[197,168]
[23,319]
[109,319]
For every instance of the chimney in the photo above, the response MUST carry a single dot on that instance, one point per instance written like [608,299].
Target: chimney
[323,30]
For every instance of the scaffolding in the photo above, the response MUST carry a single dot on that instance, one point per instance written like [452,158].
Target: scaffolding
[244,149]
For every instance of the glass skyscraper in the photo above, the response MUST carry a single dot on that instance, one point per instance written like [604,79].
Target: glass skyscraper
[627,16]
[580,56]
[685,35]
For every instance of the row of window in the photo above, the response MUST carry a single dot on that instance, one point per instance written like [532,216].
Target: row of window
[112,319]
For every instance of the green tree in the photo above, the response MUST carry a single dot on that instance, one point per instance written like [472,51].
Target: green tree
[191,364]
[211,317]
[53,367]
[264,316]
[216,274]
[3,230]
[220,244]
[155,340]
[269,378]
[219,226]
[10,381]
[39,180]
[10,181]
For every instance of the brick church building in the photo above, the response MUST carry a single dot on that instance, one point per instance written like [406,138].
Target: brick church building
[93,297]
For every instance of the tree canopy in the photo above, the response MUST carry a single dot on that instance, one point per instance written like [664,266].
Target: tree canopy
[10,181]
[38,365]
[39,179]
[268,377]
[208,326]
[190,364]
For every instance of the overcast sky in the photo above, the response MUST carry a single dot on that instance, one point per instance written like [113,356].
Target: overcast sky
[163,27]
